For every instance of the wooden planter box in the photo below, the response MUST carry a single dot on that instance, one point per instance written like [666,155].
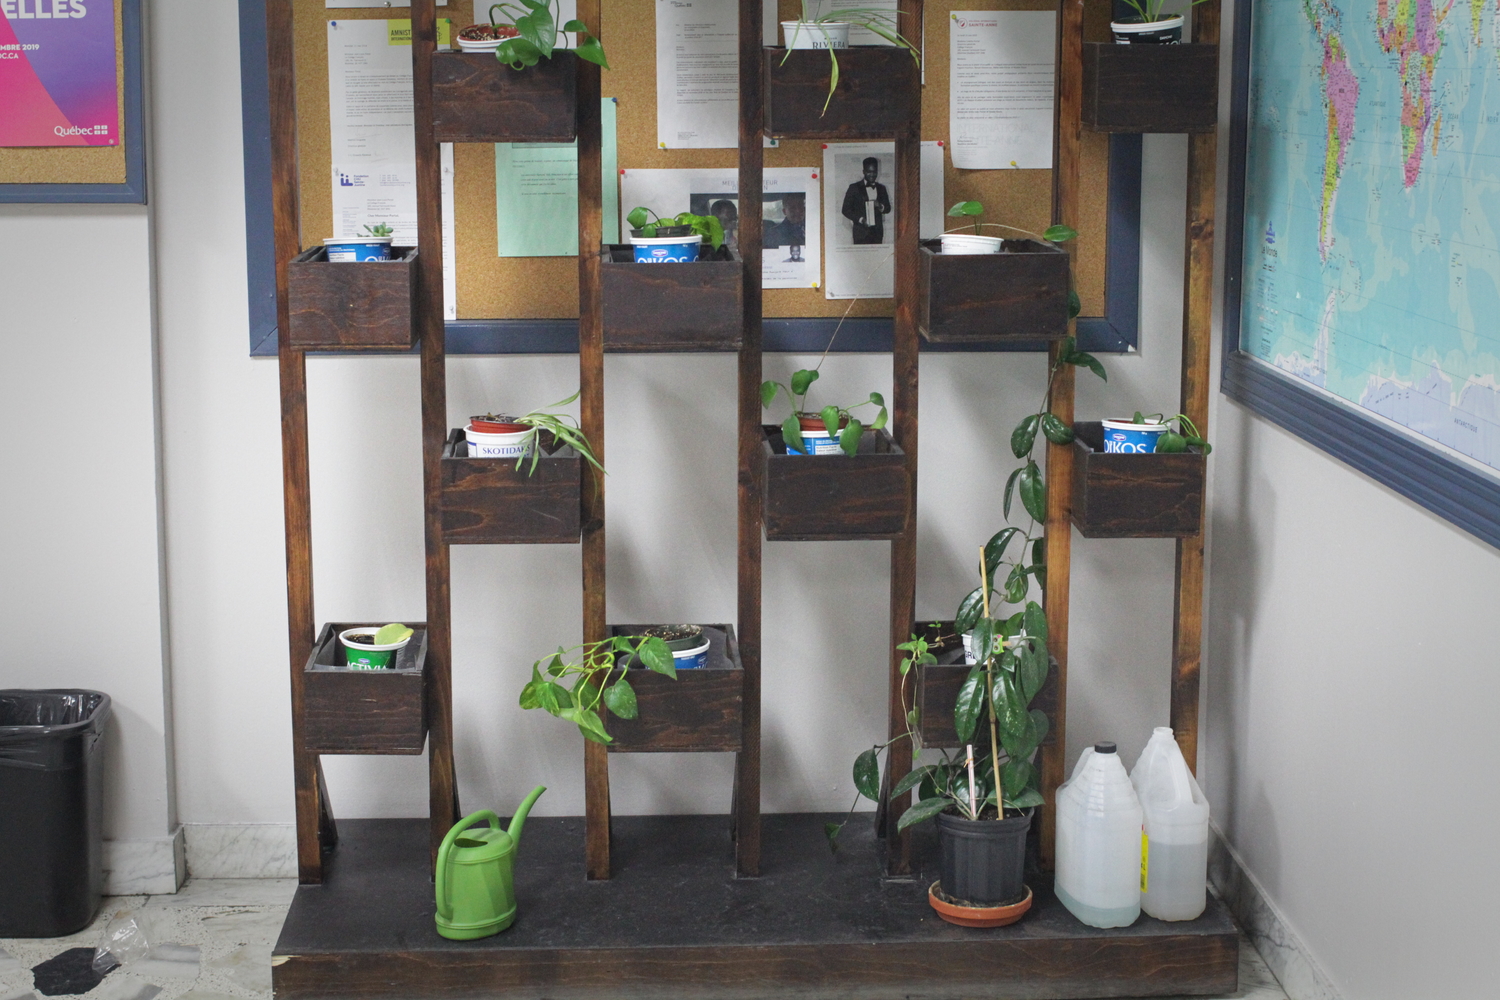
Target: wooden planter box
[1150,88]
[812,498]
[352,307]
[1134,496]
[878,97]
[698,712]
[364,711]
[477,98]
[488,501]
[672,307]
[1020,294]
[937,686]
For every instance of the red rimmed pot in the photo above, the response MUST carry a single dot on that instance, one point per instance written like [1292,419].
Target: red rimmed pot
[496,425]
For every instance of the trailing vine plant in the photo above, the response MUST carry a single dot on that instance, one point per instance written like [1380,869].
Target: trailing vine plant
[593,664]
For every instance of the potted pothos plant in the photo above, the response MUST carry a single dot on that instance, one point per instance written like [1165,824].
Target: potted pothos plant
[1148,25]
[677,240]
[1154,434]
[536,30]
[502,436]
[829,31]
[597,677]
[956,241]
[830,431]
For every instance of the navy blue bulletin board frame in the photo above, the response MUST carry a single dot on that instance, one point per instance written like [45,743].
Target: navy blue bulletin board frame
[1117,331]
[133,191]
[1405,462]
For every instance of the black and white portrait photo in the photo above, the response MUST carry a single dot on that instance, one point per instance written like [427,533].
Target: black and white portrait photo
[867,202]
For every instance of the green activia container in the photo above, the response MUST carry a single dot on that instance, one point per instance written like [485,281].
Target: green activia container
[358,656]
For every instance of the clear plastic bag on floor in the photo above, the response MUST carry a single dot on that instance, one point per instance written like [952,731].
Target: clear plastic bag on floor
[126,940]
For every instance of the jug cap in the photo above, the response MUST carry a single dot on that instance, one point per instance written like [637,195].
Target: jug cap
[1105,746]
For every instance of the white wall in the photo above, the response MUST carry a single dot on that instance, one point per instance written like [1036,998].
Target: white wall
[81,583]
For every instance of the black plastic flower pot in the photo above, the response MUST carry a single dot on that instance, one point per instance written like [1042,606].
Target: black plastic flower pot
[984,861]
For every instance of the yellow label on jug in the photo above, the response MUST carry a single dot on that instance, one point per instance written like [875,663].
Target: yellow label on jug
[1145,858]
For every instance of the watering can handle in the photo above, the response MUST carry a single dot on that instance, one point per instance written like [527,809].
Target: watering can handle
[444,910]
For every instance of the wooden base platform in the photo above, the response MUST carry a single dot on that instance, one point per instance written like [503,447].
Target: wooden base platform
[674,922]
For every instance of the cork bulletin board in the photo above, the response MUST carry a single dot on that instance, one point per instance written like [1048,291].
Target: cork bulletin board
[490,287]
[90,174]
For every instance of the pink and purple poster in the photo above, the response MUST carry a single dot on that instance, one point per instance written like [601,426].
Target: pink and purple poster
[57,73]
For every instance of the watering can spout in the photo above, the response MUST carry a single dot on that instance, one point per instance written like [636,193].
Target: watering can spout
[518,821]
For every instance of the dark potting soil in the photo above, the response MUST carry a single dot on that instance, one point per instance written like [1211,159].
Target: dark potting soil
[362,640]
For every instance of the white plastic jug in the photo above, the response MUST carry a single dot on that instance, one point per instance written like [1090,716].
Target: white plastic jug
[1099,841]
[1174,861]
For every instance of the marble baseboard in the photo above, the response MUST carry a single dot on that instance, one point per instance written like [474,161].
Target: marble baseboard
[155,866]
[1284,951]
[241,850]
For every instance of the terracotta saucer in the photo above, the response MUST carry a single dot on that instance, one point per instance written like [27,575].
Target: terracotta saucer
[977,916]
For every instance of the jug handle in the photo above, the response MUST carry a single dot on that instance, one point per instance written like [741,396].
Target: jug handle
[444,910]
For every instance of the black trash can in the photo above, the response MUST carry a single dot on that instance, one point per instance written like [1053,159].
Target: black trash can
[51,811]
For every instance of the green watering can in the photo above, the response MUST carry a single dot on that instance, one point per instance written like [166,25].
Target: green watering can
[476,889]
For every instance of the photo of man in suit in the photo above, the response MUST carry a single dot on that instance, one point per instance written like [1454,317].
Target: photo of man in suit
[866,204]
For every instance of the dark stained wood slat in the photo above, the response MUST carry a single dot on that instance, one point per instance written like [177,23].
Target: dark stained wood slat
[366,711]
[905,361]
[292,368]
[671,307]
[1150,88]
[1021,294]
[1197,378]
[878,96]
[489,501]
[834,497]
[442,784]
[476,98]
[745,801]
[700,711]
[676,925]
[352,306]
[1134,496]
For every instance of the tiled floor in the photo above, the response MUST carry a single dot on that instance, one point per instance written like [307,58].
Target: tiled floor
[213,941]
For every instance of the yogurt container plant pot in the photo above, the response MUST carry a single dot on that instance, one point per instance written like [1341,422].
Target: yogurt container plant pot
[678,240]
[515,443]
[963,244]
[688,644]
[682,249]
[1139,31]
[817,439]
[374,245]
[373,648]
[1127,437]
[816,34]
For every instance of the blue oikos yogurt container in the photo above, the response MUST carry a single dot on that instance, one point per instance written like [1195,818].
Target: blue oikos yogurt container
[351,250]
[691,659]
[1126,437]
[817,443]
[666,249]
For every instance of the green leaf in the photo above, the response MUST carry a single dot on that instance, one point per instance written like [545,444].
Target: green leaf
[1016,585]
[964,207]
[803,380]
[1039,552]
[983,643]
[1171,443]
[554,698]
[1075,304]
[1040,724]
[791,434]
[849,437]
[619,698]
[881,419]
[531,694]
[518,53]
[585,693]
[394,632]
[1201,443]
[830,415]
[912,780]
[1024,436]
[969,611]
[556,666]
[831,831]
[994,549]
[591,725]
[877,399]
[1032,666]
[767,389]
[920,812]
[867,774]
[655,654]
[1010,486]
[637,218]
[966,709]
[1036,622]
[591,49]
[1015,776]
[1090,362]
[1028,799]
[1057,432]
[1033,492]
[1059,234]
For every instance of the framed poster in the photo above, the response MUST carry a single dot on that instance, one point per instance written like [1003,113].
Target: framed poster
[1362,271]
[70,90]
